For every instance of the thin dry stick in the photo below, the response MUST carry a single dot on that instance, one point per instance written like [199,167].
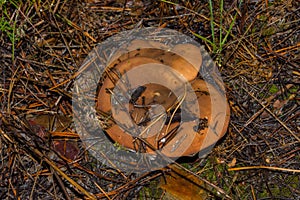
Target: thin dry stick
[283,49]
[112,164]
[33,94]
[163,114]
[11,85]
[129,185]
[61,185]
[179,104]
[64,39]
[268,101]
[65,176]
[5,135]
[41,36]
[35,182]
[109,8]
[77,27]
[253,193]
[76,74]
[267,109]
[100,188]
[264,167]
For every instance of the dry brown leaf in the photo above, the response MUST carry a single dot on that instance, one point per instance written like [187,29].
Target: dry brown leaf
[232,163]
[179,187]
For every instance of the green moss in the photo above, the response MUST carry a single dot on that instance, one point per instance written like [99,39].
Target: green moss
[279,191]
[273,89]
[151,191]
[294,89]
[269,31]
[263,17]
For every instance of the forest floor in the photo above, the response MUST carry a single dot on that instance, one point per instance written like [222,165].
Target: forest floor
[255,45]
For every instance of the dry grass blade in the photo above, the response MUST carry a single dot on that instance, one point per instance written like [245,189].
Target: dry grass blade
[176,108]
[264,167]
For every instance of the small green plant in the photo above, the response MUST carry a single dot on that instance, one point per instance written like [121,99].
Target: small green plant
[217,47]
[273,89]
[216,43]
[8,22]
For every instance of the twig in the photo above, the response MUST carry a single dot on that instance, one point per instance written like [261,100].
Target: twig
[267,109]
[264,167]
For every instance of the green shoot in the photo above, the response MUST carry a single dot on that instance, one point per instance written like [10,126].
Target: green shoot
[212,25]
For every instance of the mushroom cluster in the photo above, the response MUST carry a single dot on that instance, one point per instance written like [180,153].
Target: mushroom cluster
[154,98]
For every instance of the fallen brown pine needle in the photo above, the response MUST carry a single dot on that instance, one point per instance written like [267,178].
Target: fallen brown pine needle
[264,167]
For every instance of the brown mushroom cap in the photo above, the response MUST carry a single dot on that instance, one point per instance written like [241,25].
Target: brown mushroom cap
[178,139]
[104,97]
[192,55]
[186,59]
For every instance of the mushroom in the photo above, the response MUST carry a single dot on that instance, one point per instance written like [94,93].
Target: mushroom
[212,124]
[186,59]
[154,114]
